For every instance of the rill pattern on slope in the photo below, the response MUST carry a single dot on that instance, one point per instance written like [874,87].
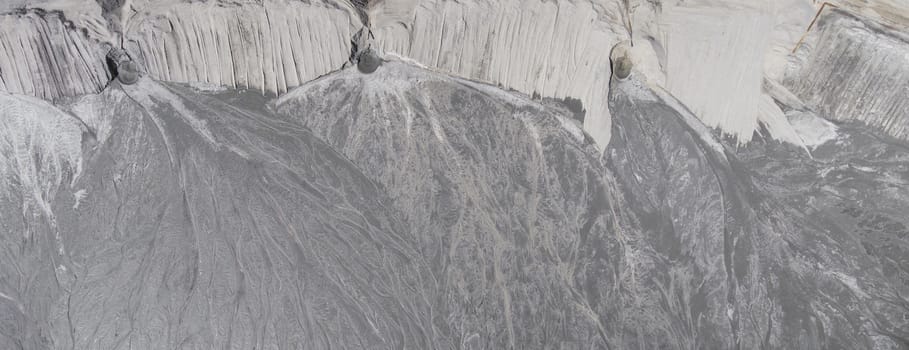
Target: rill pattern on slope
[270,47]
[855,70]
[42,55]
[552,48]
[204,225]
[814,260]
[513,212]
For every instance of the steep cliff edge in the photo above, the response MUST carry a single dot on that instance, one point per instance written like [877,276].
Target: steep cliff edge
[554,49]
[714,56]
[853,69]
[43,54]
[270,46]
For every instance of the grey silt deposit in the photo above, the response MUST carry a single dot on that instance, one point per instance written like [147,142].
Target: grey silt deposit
[453,175]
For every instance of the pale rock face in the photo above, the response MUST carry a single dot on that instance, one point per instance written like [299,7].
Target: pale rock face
[270,46]
[890,12]
[53,49]
[791,19]
[85,15]
[276,45]
[855,70]
[707,48]
[554,49]
[41,55]
[720,54]
[558,49]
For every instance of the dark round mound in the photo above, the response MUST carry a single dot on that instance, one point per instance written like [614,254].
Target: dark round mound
[128,72]
[622,67]
[369,61]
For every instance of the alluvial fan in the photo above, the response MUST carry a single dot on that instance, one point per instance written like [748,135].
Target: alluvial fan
[511,204]
[196,224]
[728,259]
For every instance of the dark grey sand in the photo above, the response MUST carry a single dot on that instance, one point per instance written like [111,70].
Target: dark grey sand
[408,209]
